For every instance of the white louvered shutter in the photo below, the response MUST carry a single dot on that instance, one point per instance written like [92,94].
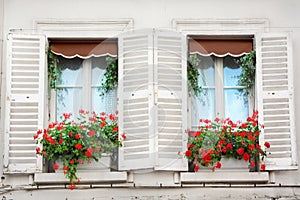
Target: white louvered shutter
[25,100]
[135,102]
[170,91]
[275,99]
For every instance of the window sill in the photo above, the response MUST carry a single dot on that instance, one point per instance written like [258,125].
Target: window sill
[85,178]
[224,177]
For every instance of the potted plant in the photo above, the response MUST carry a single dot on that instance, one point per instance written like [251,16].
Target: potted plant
[80,141]
[222,138]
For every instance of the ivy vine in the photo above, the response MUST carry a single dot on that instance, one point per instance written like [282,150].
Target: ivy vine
[193,74]
[247,77]
[53,71]
[110,80]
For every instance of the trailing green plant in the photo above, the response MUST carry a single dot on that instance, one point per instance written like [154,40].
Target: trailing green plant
[110,80]
[53,71]
[193,74]
[247,77]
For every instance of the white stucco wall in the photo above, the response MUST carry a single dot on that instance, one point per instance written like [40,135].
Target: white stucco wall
[283,15]
[1,62]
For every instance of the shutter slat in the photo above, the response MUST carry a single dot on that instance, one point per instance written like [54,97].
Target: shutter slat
[275,99]
[24,110]
[170,87]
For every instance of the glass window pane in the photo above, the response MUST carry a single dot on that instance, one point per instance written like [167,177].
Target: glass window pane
[203,106]
[106,103]
[231,71]
[236,105]
[70,71]
[67,101]
[206,71]
[98,70]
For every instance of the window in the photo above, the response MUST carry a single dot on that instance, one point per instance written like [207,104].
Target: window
[219,72]
[81,66]
[221,96]
[78,86]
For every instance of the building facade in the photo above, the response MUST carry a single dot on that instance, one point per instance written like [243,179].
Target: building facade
[152,41]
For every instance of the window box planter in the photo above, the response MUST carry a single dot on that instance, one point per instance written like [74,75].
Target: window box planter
[103,165]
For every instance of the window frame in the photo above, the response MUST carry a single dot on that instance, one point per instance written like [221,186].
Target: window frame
[219,88]
[86,87]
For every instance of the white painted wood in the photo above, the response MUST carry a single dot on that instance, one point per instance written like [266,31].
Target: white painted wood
[135,104]
[275,99]
[224,26]
[25,100]
[170,72]
[83,28]
[224,177]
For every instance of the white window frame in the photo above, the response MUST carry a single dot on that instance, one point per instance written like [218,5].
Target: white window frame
[86,90]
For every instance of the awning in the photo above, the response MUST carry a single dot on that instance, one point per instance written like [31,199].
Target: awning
[84,49]
[220,46]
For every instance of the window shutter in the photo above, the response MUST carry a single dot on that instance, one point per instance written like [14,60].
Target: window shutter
[275,99]
[25,99]
[170,98]
[135,105]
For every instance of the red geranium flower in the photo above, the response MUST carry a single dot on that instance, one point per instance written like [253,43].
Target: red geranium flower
[267,144]
[196,168]
[91,133]
[263,167]
[116,129]
[56,166]
[77,136]
[112,117]
[89,152]
[240,151]
[252,163]
[188,153]
[218,164]
[251,147]
[229,146]
[78,146]
[124,136]
[72,186]
[67,115]
[246,156]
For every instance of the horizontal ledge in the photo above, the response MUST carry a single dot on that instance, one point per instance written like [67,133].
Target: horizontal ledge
[281,168]
[224,177]
[85,177]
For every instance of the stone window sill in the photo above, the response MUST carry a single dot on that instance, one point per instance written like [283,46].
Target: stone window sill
[85,178]
[224,177]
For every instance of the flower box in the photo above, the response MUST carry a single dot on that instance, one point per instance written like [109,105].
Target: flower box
[215,141]
[103,165]
[232,164]
[78,144]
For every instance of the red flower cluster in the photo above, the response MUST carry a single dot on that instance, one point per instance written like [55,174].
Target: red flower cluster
[75,142]
[218,138]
